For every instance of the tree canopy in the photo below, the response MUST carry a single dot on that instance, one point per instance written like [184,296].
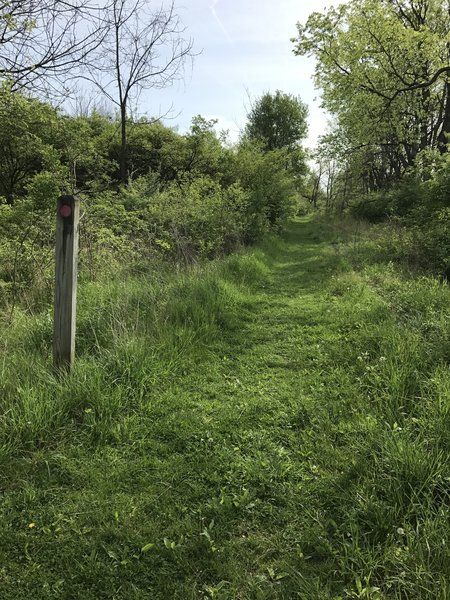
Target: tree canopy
[383,67]
[277,121]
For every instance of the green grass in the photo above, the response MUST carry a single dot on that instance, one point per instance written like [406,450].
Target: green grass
[273,425]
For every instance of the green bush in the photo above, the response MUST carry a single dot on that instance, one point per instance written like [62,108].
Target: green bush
[189,198]
[419,208]
[271,188]
[432,242]
[199,219]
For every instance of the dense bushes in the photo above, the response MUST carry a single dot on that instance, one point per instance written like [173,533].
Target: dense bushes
[419,203]
[189,197]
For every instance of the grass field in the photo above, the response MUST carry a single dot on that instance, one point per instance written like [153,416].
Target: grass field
[272,425]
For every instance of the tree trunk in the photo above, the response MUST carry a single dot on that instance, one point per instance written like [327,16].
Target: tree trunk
[445,129]
[123,144]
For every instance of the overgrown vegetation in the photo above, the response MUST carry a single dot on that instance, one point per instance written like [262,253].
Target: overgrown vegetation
[272,425]
[190,197]
[241,422]
[383,68]
[416,217]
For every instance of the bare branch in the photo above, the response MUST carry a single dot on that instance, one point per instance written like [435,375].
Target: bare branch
[144,49]
[43,40]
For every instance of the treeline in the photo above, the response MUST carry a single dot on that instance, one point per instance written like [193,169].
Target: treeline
[188,197]
[149,194]
[384,70]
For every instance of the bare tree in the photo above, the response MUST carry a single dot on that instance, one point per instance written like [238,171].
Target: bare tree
[145,49]
[43,40]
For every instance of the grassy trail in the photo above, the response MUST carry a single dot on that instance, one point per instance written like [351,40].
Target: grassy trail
[288,437]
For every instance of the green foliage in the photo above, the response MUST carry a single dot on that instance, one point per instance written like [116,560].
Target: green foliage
[431,249]
[199,219]
[87,145]
[277,121]
[26,142]
[270,185]
[383,69]
[271,425]
[189,197]
[421,209]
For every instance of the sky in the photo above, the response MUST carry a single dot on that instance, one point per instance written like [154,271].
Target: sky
[244,50]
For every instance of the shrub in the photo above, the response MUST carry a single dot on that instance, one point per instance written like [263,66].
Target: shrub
[199,219]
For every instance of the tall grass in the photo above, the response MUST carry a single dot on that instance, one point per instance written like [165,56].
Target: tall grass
[131,334]
[271,425]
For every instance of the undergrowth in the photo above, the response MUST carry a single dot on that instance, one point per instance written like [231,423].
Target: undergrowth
[271,425]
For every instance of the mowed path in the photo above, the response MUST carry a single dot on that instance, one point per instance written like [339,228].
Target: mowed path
[265,412]
[233,475]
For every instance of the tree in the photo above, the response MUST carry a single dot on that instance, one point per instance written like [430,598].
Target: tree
[43,40]
[383,66]
[26,149]
[144,49]
[277,121]
[311,189]
[85,145]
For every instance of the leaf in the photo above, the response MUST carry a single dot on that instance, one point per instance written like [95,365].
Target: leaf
[147,547]
[112,555]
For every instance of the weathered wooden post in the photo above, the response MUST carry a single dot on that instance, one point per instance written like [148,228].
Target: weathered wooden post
[66,262]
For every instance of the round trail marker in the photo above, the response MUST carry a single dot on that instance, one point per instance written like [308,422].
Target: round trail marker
[65,211]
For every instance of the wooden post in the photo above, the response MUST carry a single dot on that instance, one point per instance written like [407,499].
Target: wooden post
[66,262]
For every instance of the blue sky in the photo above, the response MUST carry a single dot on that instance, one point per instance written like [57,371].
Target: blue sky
[245,50]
